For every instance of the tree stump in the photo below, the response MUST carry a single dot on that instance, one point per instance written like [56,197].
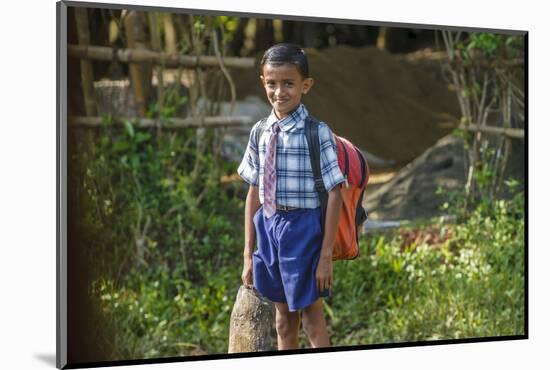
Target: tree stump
[251,322]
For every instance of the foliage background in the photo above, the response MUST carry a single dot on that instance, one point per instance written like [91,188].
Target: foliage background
[157,247]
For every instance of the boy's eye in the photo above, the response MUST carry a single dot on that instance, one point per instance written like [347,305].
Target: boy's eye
[287,83]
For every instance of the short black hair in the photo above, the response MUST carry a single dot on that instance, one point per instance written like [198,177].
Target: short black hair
[286,53]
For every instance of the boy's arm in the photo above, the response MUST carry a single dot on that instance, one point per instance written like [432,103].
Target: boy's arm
[249,171]
[324,269]
[251,206]
[334,207]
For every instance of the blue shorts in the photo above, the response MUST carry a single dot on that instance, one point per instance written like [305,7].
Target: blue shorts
[286,257]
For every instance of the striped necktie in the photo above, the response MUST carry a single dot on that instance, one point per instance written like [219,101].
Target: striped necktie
[270,173]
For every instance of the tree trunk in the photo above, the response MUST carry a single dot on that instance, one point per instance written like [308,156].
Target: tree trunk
[251,322]
[238,37]
[310,32]
[86,66]
[394,40]
[265,37]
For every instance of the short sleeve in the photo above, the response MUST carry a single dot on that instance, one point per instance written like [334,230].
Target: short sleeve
[330,170]
[250,165]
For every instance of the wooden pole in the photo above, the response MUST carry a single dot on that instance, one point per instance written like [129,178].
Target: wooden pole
[381,38]
[171,60]
[154,30]
[443,56]
[175,123]
[169,33]
[513,133]
[140,74]
[86,66]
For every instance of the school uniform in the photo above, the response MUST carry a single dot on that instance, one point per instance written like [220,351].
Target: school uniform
[289,236]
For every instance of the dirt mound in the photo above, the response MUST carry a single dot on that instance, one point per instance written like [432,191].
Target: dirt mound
[385,105]
[410,193]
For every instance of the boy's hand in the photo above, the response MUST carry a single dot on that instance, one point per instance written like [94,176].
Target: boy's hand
[323,274]
[247,272]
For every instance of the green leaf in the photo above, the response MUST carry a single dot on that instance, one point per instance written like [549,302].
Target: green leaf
[329,311]
[120,146]
[129,127]
[141,137]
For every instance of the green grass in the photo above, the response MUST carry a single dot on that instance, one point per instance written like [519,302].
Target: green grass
[467,285]
[470,285]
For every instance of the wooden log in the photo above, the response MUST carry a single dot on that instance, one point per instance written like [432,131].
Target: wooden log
[86,66]
[176,123]
[170,60]
[251,322]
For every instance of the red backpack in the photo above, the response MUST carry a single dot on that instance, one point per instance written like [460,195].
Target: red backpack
[355,169]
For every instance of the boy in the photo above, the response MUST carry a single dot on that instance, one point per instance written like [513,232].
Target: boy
[292,265]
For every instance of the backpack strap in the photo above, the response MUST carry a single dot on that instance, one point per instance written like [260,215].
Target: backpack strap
[312,137]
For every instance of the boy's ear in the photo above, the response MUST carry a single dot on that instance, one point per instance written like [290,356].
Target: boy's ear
[262,79]
[308,84]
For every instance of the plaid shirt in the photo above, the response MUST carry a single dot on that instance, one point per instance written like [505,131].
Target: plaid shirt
[295,184]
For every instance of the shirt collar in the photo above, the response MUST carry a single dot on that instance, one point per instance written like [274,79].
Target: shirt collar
[294,118]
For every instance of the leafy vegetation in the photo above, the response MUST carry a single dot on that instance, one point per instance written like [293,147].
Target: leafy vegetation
[159,232]
[483,69]
[174,295]
[469,284]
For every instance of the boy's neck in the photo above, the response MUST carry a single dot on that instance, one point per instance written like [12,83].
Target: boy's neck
[283,116]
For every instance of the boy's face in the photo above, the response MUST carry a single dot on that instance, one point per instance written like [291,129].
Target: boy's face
[284,86]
